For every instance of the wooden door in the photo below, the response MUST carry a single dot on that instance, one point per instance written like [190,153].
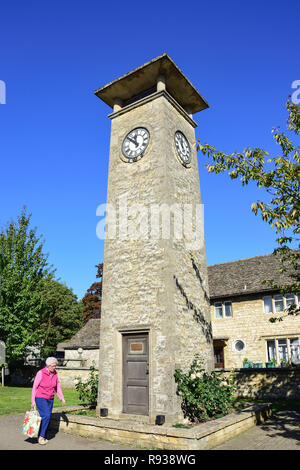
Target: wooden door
[219,357]
[136,374]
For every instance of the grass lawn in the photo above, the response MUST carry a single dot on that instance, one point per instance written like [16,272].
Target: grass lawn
[18,399]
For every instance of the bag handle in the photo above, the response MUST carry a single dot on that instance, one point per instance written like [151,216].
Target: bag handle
[34,410]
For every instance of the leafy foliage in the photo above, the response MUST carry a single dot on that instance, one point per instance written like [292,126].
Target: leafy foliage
[280,177]
[88,390]
[203,394]
[93,297]
[61,315]
[35,309]
[23,266]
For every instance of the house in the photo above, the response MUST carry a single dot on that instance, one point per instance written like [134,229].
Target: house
[241,307]
[83,348]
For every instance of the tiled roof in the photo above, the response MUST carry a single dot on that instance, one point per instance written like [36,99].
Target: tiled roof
[245,276]
[86,337]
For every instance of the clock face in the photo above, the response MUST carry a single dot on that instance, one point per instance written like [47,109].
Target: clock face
[183,147]
[135,143]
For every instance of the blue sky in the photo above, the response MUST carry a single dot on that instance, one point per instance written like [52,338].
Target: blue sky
[54,133]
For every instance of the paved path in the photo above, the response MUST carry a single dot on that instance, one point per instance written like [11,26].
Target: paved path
[11,438]
[282,432]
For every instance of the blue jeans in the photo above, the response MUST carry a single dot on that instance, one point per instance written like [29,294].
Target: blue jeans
[44,408]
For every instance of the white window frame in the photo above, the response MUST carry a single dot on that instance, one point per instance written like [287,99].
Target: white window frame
[222,305]
[241,350]
[217,305]
[278,298]
[228,302]
[272,307]
[288,346]
[275,299]
[283,347]
[275,350]
[294,300]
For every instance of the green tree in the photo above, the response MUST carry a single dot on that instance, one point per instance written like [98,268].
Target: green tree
[23,266]
[280,177]
[61,315]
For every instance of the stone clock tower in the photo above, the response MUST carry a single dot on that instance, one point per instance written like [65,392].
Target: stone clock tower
[155,312]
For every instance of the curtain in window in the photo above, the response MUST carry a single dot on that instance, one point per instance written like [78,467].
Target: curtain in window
[218,310]
[228,309]
[271,349]
[268,304]
[278,301]
[289,300]
[282,349]
[295,349]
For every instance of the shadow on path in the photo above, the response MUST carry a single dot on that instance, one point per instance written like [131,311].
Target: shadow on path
[284,425]
[281,432]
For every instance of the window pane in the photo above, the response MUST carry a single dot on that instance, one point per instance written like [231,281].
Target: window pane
[271,349]
[218,310]
[278,300]
[294,349]
[282,349]
[228,309]
[268,304]
[289,300]
[239,345]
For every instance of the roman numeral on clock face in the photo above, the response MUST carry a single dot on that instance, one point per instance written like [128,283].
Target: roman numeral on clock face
[135,143]
[182,147]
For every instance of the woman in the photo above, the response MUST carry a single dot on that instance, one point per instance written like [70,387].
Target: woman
[45,385]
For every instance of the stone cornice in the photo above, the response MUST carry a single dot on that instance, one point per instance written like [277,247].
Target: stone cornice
[151,98]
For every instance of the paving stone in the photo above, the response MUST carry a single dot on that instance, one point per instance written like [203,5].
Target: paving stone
[282,432]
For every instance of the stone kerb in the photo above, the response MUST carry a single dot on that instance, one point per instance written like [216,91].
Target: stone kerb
[203,436]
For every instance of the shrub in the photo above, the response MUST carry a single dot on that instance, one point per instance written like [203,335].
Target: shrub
[204,395]
[88,390]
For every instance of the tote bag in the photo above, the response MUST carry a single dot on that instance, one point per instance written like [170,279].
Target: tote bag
[32,422]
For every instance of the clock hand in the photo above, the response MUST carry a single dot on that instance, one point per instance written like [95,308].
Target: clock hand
[133,141]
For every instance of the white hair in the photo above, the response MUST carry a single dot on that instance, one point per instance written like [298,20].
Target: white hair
[50,360]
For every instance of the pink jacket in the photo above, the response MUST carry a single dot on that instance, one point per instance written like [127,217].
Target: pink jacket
[45,385]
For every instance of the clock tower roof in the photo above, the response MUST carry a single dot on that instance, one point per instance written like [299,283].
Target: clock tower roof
[143,80]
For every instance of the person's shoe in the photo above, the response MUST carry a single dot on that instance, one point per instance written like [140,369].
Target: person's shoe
[42,440]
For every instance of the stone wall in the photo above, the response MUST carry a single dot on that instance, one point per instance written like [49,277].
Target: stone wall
[21,375]
[67,375]
[24,375]
[88,357]
[266,384]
